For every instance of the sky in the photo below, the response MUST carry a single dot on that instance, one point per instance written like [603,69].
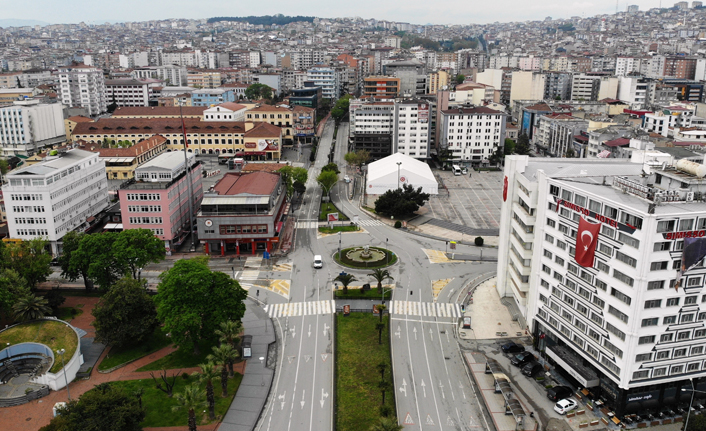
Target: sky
[412,11]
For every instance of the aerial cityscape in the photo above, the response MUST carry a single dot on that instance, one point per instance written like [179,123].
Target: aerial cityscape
[440,217]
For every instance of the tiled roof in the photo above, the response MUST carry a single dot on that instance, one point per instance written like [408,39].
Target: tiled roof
[256,184]
[80,119]
[110,126]
[159,110]
[134,151]
[264,130]
[269,108]
[232,106]
[620,142]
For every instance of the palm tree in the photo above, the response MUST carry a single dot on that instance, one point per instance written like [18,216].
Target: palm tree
[208,374]
[228,333]
[380,326]
[381,309]
[193,398]
[31,307]
[386,424]
[345,280]
[222,355]
[381,275]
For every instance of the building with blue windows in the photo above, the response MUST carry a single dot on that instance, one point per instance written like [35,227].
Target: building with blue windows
[212,96]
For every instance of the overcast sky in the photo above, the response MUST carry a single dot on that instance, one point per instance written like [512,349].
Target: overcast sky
[413,11]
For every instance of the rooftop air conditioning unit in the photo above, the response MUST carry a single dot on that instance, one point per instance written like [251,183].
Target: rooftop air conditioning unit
[690,196]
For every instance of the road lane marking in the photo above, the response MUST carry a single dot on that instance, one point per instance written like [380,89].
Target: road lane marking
[424,309]
[406,319]
[408,420]
[294,309]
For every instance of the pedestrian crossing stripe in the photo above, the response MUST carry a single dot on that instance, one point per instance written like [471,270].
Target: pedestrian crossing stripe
[370,223]
[294,309]
[253,262]
[307,225]
[249,275]
[432,309]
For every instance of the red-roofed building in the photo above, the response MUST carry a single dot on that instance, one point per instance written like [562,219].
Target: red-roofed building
[243,212]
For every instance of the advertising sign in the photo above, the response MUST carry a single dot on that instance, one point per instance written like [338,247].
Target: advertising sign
[603,219]
[262,144]
[333,217]
[423,112]
[346,310]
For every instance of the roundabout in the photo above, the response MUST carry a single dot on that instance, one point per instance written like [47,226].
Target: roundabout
[365,257]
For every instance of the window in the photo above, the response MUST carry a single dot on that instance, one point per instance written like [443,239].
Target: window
[608,345]
[547,253]
[559,260]
[602,266]
[659,266]
[598,301]
[653,321]
[661,246]
[617,313]
[649,339]
[684,335]
[561,244]
[665,338]
[659,372]
[677,369]
[626,259]
[631,220]
[549,238]
[697,350]
[664,354]
[665,226]
[643,357]
[692,367]
[657,284]
[637,375]
[615,331]
[601,285]
[668,320]
[687,224]
[672,302]
[690,299]
[700,333]
[620,295]
[686,318]
[551,222]
[653,303]
[622,277]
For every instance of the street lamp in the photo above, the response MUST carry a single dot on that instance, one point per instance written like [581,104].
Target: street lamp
[398,174]
[387,260]
[66,379]
[339,244]
[383,294]
[693,391]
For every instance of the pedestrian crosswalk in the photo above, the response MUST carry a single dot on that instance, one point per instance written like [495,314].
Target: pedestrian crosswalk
[294,309]
[306,224]
[431,309]
[253,262]
[248,275]
[370,223]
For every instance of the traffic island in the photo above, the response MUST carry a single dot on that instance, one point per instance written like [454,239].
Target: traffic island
[365,257]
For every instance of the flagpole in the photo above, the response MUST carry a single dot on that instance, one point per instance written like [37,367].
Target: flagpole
[188,182]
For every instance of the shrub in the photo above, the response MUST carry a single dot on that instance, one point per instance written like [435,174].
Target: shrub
[398,224]
[185,376]
[479,241]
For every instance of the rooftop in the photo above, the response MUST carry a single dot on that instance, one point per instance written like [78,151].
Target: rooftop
[158,111]
[71,157]
[253,184]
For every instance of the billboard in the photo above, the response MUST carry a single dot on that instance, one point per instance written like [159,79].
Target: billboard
[423,113]
[263,144]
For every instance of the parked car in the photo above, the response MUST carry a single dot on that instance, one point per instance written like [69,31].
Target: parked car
[512,347]
[347,179]
[521,359]
[559,392]
[532,369]
[564,406]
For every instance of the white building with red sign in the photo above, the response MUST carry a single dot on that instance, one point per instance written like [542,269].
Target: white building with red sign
[412,133]
[604,260]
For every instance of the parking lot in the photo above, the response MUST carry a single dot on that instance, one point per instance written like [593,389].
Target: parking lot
[471,200]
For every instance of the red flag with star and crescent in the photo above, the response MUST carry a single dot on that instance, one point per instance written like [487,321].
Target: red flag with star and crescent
[586,241]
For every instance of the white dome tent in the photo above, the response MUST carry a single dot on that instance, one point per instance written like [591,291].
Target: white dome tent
[383,176]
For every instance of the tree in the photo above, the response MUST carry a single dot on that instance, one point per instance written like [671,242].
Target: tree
[103,267]
[4,167]
[340,109]
[327,179]
[696,423]
[299,187]
[384,386]
[12,288]
[345,279]
[380,275]
[228,333]
[135,248]
[30,259]
[165,385]
[105,407]
[523,146]
[357,158]
[223,355]
[54,300]
[193,301]
[126,314]
[291,175]
[333,167]
[509,146]
[460,78]
[497,156]
[401,202]
[192,398]
[386,424]
[258,91]
[73,263]
[380,326]
[31,307]
[570,152]
[207,375]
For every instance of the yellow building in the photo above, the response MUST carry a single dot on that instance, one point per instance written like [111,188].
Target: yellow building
[436,81]
[275,115]
[71,122]
[9,95]
[9,80]
[204,79]
[120,163]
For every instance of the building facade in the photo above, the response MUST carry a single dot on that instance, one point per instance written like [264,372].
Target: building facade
[471,134]
[83,86]
[128,92]
[371,127]
[327,79]
[412,133]
[27,127]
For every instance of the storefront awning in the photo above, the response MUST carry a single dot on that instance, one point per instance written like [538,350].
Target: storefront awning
[572,365]
[279,226]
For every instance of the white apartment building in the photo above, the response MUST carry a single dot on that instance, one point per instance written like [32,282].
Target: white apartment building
[627,65]
[472,133]
[82,86]
[28,126]
[665,120]
[129,92]
[56,196]
[372,124]
[172,75]
[412,132]
[619,327]
[327,79]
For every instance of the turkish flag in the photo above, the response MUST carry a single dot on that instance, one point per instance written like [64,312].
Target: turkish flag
[505,189]
[586,241]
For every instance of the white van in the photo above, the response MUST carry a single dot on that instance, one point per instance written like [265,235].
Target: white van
[457,170]
[318,262]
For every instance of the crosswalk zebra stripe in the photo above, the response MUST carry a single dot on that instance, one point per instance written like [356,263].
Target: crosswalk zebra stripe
[293,309]
[426,309]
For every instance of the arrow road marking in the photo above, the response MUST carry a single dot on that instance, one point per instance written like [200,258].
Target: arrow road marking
[307,357]
[324,356]
[450,422]
[430,336]
[398,331]
[460,386]
[302,401]
[281,398]
[404,387]
[290,358]
[408,420]
[326,328]
[441,388]
[424,388]
[324,395]
[415,333]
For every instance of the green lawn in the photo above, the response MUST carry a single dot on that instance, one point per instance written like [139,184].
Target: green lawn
[53,334]
[117,356]
[358,397]
[328,207]
[158,405]
[360,294]
[68,313]
[335,229]
[182,358]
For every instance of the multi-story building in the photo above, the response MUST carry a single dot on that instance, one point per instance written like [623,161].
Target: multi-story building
[303,123]
[28,126]
[372,124]
[327,79]
[243,212]
[56,196]
[121,163]
[557,86]
[412,133]
[171,74]
[276,115]
[83,86]
[212,96]
[381,87]
[129,92]
[555,134]
[664,121]
[599,257]
[159,198]
[471,133]
[680,67]
[204,79]
[436,81]
[309,97]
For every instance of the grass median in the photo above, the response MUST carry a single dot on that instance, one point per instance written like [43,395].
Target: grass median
[358,394]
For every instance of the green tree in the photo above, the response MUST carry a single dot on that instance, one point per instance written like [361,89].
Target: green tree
[345,279]
[103,268]
[299,187]
[54,300]
[381,275]
[228,333]
[570,152]
[133,249]
[191,399]
[696,423]
[460,78]
[4,168]
[333,167]
[12,288]
[73,263]
[258,91]
[30,307]
[357,158]
[386,424]
[291,175]
[401,202]
[509,146]
[207,375]
[126,314]
[327,179]
[380,326]
[106,407]
[523,145]
[30,259]
[193,301]
[497,157]
[223,355]
[340,109]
